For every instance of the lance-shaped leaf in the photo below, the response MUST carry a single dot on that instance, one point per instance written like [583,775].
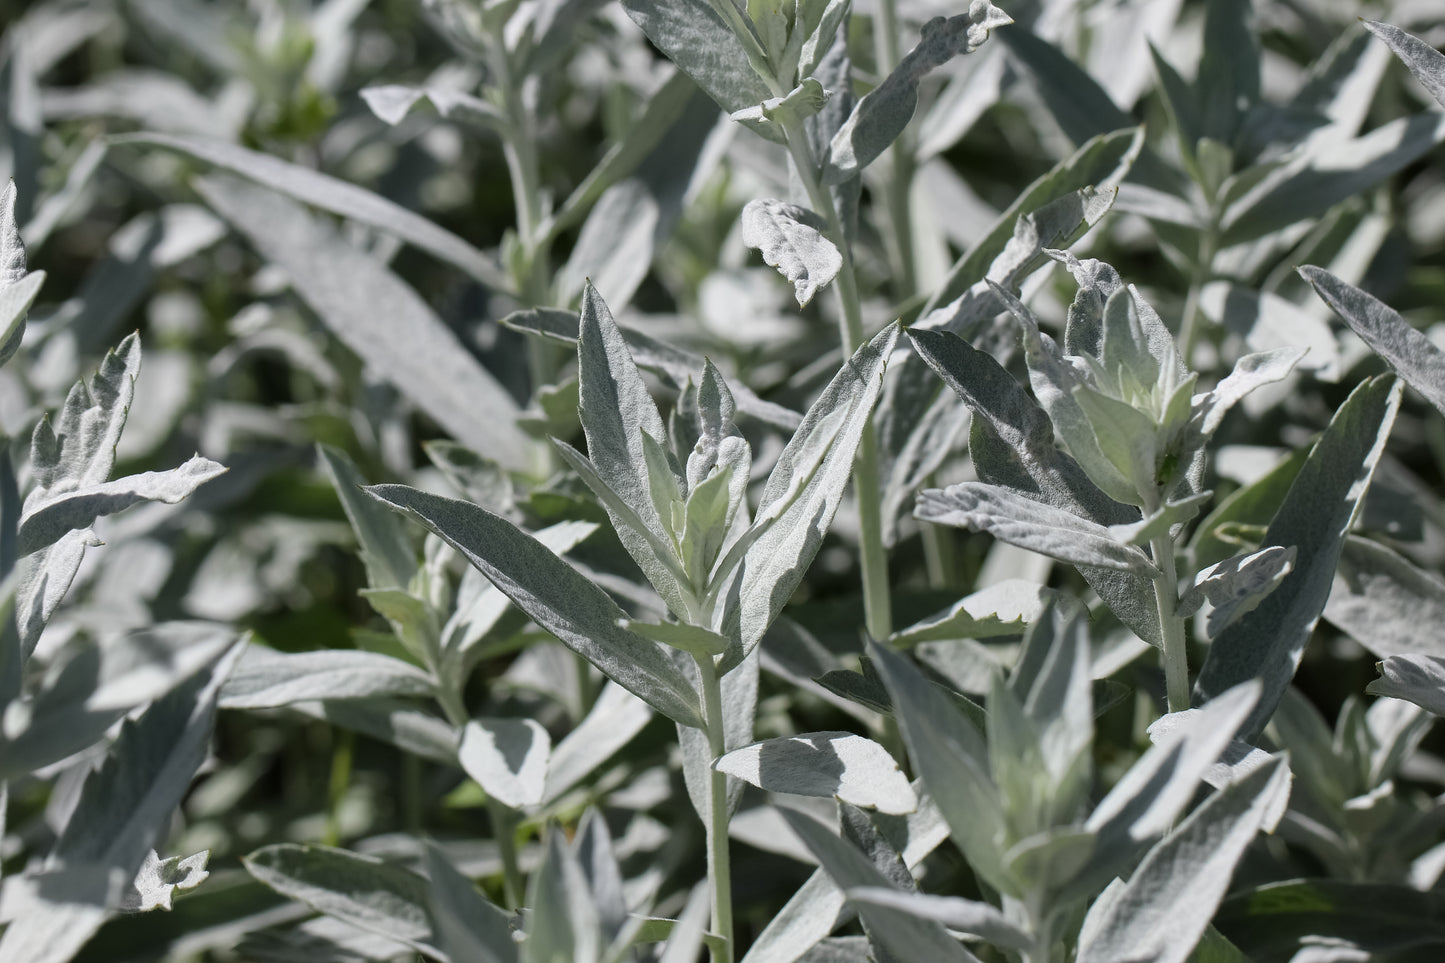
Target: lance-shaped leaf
[829,764]
[555,595]
[881,115]
[1002,609]
[266,679]
[983,920]
[1161,913]
[804,489]
[791,239]
[377,316]
[951,758]
[900,933]
[1012,444]
[1329,173]
[1384,601]
[1236,585]
[616,717]
[563,921]
[17,289]
[693,35]
[1412,355]
[123,806]
[1415,678]
[386,551]
[622,425]
[360,890]
[1315,517]
[467,927]
[1249,372]
[79,449]
[507,758]
[338,197]
[392,102]
[156,883]
[46,521]
[1027,523]
[1424,61]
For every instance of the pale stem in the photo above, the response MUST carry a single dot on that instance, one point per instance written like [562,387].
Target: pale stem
[1171,627]
[877,603]
[719,867]
[1203,271]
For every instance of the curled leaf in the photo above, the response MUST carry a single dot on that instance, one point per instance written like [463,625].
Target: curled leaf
[791,239]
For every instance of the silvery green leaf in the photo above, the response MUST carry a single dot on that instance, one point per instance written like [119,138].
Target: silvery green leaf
[692,639]
[1328,173]
[1034,525]
[12,248]
[377,316]
[670,363]
[79,450]
[837,764]
[1384,601]
[881,115]
[45,577]
[963,915]
[563,923]
[792,240]
[1250,371]
[1239,758]
[1268,323]
[1146,801]
[951,758]
[386,549]
[1002,609]
[466,926]
[686,939]
[1382,919]
[1314,518]
[338,197]
[698,41]
[1171,514]
[1161,913]
[900,933]
[1228,80]
[266,679]
[1415,678]
[617,242]
[1012,444]
[1412,355]
[15,301]
[45,522]
[123,806]
[392,102]
[555,596]
[507,758]
[84,696]
[592,845]
[772,117]
[155,884]
[1054,379]
[806,484]
[392,721]
[1236,585]
[1424,61]
[363,891]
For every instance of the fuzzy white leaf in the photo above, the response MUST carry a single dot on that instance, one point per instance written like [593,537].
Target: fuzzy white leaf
[266,679]
[791,239]
[507,758]
[839,764]
[156,883]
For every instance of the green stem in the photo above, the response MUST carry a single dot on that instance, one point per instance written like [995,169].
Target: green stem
[899,170]
[1203,271]
[336,789]
[877,603]
[1171,627]
[719,866]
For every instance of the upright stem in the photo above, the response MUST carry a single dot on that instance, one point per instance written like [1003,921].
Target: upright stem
[1203,270]
[719,867]
[1171,627]
[898,174]
[877,603]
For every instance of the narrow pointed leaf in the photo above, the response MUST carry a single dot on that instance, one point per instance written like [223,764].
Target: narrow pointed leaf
[555,596]
[695,37]
[377,316]
[1030,524]
[386,549]
[338,197]
[266,679]
[1415,678]
[1412,355]
[467,927]
[1314,519]
[1424,61]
